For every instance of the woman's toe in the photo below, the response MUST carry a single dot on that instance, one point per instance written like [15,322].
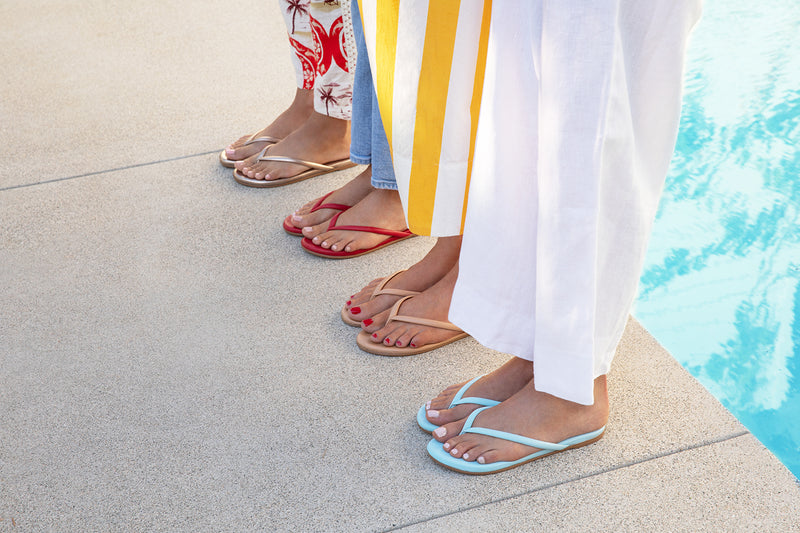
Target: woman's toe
[404,340]
[316,233]
[336,244]
[456,414]
[456,446]
[446,432]
[487,456]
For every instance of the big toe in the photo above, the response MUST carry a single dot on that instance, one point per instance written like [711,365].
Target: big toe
[448,431]
[314,232]
[316,218]
[447,416]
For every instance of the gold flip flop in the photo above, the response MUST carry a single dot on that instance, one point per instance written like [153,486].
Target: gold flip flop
[230,163]
[314,169]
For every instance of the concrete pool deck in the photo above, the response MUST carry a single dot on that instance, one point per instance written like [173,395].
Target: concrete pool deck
[171,360]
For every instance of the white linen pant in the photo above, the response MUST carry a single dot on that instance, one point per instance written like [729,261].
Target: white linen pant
[578,120]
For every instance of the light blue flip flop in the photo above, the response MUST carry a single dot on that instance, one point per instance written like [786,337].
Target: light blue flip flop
[437,452]
[458,399]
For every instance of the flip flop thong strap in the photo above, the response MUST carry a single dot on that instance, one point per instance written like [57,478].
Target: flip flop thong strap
[338,207]
[367,229]
[511,437]
[381,290]
[295,161]
[398,292]
[519,439]
[393,316]
[320,201]
[320,205]
[459,399]
[263,139]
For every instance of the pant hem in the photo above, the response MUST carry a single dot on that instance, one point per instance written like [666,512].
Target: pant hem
[360,160]
[386,185]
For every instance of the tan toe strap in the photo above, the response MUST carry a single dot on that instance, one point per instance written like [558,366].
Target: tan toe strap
[380,289]
[417,320]
[397,292]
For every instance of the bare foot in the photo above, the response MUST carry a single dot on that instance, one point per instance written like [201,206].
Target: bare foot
[350,194]
[321,139]
[421,276]
[381,208]
[432,304]
[292,118]
[529,413]
[498,385]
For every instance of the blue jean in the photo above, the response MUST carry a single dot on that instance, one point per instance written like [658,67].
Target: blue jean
[368,142]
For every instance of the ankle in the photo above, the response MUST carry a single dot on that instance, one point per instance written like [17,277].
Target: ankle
[303,102]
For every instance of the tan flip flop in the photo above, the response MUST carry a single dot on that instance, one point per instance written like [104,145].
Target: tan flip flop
[364,342]
[378,291]
[230,163]
[314,169]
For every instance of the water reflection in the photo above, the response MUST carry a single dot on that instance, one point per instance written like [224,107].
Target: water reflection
[721,286]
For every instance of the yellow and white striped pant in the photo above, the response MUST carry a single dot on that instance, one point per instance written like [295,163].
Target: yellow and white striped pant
[428,65]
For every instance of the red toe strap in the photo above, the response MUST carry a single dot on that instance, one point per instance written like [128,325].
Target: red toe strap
[319,205]
[367,229]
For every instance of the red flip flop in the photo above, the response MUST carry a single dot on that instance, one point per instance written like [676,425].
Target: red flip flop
[291,229]
[393,237]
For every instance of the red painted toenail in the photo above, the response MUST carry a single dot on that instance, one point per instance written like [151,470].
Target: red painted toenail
[413,345]
[368,322]
[387,341]
[349,302]
[397,344]
[374,335]
[355,310]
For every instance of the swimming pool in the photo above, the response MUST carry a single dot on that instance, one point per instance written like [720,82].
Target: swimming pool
[721,284]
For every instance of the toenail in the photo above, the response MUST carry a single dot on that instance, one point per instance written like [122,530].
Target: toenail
[296,218]
[481,460]
[324,244]
[428,404]
[348,302]
[398,344]
[355,310]
[446,445]
[441,432]
[454,451]
[387,341]
[413,345]
[368,322]
[465,456]
[433,413]
[374,335]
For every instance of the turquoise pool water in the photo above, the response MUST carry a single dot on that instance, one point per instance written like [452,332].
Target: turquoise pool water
[721,285]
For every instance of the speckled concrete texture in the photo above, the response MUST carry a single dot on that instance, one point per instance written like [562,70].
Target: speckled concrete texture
[171,360]
[708,488]
[93,85]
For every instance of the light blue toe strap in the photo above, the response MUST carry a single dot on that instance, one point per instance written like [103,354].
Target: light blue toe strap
[519,439]
[459,399]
